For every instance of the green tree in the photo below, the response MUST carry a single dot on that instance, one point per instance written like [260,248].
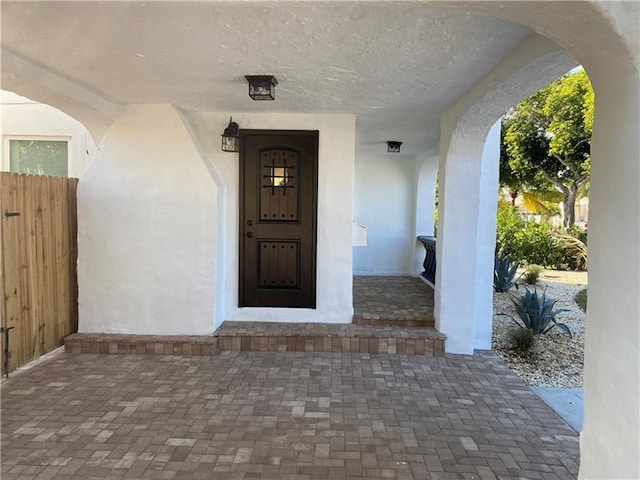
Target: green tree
[537,197]
[547,140]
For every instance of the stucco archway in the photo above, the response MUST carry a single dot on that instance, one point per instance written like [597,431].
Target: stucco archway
[467,207]
[610,436]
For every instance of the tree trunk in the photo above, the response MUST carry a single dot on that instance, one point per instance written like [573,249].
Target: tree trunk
[569,197]
[569,206]
[514,194]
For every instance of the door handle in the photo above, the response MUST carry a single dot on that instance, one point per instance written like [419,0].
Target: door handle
[249,234]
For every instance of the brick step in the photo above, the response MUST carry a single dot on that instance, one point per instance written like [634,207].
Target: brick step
[393,321]
[267,336]
[322,337]
[200,345]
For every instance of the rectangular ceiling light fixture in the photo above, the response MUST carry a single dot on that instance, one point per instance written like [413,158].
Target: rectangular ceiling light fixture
[393,146]
[262,87]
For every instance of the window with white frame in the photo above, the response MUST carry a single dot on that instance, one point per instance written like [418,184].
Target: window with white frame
[39,156]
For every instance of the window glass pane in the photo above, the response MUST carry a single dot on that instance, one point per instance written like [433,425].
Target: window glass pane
[279,176]
[39,157]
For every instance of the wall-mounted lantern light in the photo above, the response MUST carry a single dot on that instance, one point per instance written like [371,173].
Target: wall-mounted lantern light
[262,87]
[393,146]
[231,137]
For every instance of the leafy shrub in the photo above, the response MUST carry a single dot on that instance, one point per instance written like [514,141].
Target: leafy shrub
[537,313]
[540,243]
[504,273]
[533,243]
[531,274]
[509,222]
[521,339]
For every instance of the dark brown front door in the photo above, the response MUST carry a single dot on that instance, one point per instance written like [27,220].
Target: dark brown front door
[278,204]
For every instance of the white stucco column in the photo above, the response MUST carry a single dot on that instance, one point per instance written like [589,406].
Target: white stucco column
[486,237]
[425,204]
[611,429]
[466,234]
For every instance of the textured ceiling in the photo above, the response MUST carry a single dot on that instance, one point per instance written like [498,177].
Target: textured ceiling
[396,65]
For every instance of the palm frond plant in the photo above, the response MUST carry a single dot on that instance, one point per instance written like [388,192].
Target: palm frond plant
[574,251]
[541,202]
[537,313]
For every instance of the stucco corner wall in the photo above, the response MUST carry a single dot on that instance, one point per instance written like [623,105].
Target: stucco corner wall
[146,230]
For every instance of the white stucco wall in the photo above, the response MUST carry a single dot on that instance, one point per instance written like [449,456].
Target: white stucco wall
[147,230]
[610,440]
[335,211]
[486,237]
[25,119]
[385,188]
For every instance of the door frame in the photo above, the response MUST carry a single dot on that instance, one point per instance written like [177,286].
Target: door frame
[241,212]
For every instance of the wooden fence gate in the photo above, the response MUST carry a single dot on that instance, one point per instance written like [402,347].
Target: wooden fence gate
[38,235]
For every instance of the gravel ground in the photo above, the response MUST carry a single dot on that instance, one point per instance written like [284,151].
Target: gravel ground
[556,360]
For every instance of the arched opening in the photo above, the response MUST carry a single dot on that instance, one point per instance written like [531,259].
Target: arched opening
[611,138]
[43,151]
[40,139]
[551,258]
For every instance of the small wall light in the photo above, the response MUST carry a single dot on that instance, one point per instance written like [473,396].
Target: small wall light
[231,137]
[262,87]
[393,146]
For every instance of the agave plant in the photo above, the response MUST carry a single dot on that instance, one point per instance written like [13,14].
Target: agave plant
[537,313]
[504,274]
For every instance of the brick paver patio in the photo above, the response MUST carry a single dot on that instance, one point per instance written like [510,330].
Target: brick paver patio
[398,300]
[279,415]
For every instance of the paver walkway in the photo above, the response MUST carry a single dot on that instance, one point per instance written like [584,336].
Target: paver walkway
[279,415]
[393,298]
